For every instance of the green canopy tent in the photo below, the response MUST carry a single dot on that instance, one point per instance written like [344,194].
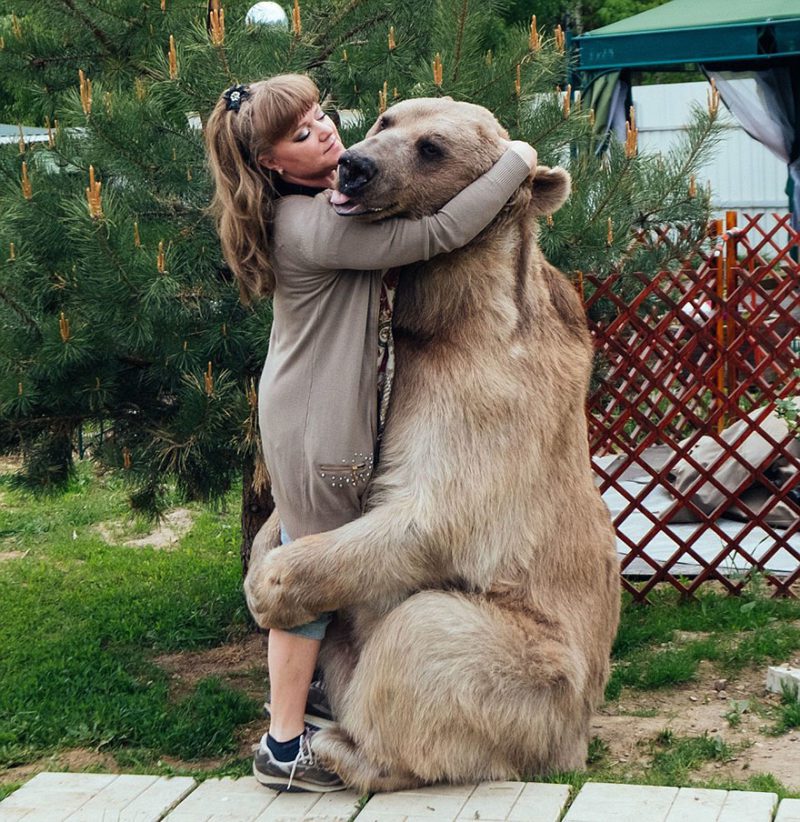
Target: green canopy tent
[751,50]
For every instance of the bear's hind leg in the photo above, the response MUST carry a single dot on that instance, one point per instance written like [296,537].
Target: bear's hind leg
[453,688]
[340,754]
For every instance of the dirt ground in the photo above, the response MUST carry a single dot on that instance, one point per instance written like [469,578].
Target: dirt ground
[628,726]
[631,725]
[164,535]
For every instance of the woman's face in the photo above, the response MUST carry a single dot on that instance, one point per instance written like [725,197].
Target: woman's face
[310,153]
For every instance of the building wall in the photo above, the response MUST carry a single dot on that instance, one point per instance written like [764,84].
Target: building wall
[745,176]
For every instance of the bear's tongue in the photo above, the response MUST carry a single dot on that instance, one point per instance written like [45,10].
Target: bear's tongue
[337,198]
[344,206]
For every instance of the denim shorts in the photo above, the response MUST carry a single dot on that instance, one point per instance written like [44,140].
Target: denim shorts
[317,628]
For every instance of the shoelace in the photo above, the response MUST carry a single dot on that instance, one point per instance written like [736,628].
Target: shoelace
[305,756]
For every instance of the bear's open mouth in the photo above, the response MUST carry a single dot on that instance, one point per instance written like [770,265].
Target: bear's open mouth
[346,207]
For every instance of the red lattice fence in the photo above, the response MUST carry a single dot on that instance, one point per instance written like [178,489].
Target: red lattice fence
[685,357]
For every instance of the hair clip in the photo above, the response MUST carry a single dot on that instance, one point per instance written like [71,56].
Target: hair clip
[233,97]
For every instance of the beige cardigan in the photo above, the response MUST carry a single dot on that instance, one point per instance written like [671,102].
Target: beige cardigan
[317,397]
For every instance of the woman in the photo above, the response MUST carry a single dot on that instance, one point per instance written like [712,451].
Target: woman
[324,390]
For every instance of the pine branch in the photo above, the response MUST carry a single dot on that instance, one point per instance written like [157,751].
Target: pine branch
[123,149]
[328,50]
[43,62]
[462,22]
[138,362]
[118,264]
[20,311]
[611,191]
[347,10]
[98,33]
[103,9]
[699,145]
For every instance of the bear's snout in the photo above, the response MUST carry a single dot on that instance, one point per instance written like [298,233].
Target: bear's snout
[355,171]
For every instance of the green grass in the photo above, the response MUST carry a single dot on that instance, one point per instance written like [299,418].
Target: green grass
[789,717]
[670,760]
[733,632]
[675,758]
[82,621]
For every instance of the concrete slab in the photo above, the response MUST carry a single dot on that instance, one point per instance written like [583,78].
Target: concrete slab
[57,797]
[748,806]
[491,801]
[338,806]
[83,797]
[599,802]
[788,811]
[438,802]
[540,802]
[53,796]
[515,802]
[782,678]
[244,800]
[696,805]
[134,798]
[488,801]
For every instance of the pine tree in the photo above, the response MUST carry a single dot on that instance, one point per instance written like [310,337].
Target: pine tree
[116,310]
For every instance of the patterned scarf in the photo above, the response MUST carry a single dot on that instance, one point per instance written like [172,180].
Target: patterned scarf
[386,345]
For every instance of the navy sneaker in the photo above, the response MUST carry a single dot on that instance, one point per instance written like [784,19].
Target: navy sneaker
[303,773]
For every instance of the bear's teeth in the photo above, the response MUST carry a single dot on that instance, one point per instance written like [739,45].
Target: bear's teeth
[349,210]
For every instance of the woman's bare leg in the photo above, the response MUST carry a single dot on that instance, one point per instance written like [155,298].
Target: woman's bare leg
[291,659]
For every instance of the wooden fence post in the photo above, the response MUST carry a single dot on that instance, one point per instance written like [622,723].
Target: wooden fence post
[730,287]
[720,326]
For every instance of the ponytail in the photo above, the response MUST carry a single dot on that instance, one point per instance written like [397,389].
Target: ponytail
[244,194]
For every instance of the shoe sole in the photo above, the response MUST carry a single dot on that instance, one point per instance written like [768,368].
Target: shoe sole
[314,721]
[281,784]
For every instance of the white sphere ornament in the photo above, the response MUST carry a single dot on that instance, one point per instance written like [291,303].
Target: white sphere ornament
[267,14]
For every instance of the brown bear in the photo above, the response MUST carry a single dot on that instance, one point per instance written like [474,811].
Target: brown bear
[478,595]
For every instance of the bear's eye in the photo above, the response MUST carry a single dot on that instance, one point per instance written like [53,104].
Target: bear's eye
[429,150]
[383,123]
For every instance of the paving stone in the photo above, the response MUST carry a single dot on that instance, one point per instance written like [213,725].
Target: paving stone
[748,806]
[133,798]
[337,806]
[82,797]
[436,802]
[224,799]
[600,802]
[52,797]
[788,811]
[244,800]
[492,801]
[160,797]
[515,802]
[540,802]
[56,797]
[783,677]
[696,805]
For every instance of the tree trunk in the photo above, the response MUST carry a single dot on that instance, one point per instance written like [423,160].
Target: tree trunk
[256,508]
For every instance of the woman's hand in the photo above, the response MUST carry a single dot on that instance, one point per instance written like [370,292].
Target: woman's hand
[526,151]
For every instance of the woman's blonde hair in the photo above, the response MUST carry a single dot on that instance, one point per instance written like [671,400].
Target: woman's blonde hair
[244,190]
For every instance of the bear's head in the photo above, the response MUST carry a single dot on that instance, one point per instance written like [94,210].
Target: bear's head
[420,153]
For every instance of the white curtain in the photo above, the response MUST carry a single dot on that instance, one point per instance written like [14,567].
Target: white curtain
[764,103]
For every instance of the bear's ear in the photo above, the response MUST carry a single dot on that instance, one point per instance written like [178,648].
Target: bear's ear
[551,187]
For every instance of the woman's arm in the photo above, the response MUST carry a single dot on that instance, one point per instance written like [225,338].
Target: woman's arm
[311,230]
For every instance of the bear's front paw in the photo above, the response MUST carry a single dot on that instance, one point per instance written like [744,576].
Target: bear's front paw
[271,594]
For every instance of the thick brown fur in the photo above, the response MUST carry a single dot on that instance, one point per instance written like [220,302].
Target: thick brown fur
[478,596]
